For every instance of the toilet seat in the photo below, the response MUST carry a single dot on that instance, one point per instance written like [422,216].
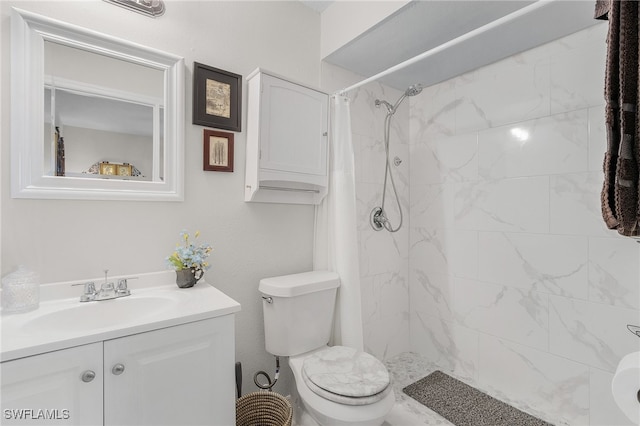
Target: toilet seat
[345,375]
[335,413]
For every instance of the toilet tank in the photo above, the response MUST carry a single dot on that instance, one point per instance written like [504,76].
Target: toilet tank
[298,311]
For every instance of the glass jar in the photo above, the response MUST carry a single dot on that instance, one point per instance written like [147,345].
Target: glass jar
[20,291]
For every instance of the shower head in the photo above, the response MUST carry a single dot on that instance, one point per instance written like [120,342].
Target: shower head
[413,90]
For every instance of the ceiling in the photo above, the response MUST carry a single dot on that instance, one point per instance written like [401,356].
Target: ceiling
[99,113]
[317,5]
[423,25]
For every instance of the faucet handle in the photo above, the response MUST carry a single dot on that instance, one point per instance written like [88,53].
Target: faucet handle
[89,291]
[122,288]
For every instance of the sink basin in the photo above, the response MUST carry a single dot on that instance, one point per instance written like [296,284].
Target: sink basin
[62,321]
[96,315]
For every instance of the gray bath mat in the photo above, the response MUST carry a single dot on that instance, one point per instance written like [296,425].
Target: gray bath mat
[464,405]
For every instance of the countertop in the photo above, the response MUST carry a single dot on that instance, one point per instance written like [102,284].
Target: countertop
[31,333]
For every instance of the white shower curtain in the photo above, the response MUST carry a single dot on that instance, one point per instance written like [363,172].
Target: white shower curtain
[336,237]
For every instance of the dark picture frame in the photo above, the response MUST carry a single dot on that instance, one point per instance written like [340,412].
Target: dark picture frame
[217,98]
[217,151]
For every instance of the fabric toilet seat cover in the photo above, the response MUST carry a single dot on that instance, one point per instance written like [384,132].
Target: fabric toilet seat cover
[346,375]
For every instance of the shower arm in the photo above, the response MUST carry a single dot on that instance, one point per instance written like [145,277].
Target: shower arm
[391,109]
[399,101]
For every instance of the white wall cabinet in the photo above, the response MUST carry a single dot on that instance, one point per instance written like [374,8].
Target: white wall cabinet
[181,375]
[287,141]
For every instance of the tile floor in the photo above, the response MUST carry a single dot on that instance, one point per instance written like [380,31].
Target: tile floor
[405,369]
[409,367]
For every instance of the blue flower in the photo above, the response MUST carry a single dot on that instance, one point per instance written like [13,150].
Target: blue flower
[187,255]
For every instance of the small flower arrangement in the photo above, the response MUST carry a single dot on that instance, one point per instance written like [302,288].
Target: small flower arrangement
[189,256]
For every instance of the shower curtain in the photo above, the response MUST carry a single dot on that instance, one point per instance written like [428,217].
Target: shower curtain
[336,237]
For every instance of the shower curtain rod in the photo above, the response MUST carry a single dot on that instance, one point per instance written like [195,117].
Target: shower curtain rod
[520,12]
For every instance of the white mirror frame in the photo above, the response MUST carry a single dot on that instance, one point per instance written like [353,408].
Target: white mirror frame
[28,180]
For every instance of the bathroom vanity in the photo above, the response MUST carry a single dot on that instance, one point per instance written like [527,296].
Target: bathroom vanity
[163,355]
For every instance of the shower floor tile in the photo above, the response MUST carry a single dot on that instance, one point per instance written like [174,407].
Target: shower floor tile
[405,369]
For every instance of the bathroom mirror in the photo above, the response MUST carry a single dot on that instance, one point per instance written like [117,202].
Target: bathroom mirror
[93,116]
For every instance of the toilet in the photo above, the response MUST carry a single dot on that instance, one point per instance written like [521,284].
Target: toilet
[337,385]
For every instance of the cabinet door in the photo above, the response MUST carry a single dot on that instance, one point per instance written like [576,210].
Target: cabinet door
[293,127]
[182,375]
[49,389]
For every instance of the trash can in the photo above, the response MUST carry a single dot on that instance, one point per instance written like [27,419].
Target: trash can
[263,408]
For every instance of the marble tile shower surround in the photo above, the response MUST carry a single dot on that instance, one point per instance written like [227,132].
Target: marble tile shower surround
[504,268]
[512,273]
[384,256]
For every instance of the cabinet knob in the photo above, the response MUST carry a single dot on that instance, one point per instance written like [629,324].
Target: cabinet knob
[88,376]
[117,369]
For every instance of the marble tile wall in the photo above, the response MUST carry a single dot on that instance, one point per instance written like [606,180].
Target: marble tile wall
[384,257]
[514,282]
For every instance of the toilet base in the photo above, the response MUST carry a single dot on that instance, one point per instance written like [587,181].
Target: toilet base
[301,416]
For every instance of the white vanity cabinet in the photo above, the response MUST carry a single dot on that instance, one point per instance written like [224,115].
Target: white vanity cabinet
[65,386]
[180,375]
[287,141]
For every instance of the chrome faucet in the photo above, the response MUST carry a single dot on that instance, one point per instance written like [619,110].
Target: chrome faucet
[122,289]
[107,290]
[89,291]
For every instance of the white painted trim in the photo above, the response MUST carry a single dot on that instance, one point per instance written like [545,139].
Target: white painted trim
[101,91]
[28,33]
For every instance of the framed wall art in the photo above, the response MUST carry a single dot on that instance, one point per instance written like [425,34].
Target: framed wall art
[217,98]
[218,151]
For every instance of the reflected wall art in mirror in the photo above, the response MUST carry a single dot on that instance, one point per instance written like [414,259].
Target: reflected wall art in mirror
[93,116]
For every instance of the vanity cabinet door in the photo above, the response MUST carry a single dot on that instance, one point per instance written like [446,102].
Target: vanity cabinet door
[55,388]
[182,375]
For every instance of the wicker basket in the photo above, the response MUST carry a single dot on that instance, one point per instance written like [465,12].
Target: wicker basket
[263,409]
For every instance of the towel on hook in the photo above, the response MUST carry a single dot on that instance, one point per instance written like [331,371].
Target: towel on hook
[620,192]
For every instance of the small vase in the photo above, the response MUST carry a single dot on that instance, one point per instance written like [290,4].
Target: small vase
[186,278]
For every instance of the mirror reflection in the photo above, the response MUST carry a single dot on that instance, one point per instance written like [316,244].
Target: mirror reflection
[104,117]
[93,117]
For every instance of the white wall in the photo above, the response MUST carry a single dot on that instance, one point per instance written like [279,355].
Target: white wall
[85,147]
[515,283]
[343,21]
[103,71]
[69,240]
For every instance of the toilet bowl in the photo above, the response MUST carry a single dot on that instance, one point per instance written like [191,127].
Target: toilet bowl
[333,413]
[337,385]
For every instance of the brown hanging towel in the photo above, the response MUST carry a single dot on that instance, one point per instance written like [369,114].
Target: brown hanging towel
[611,87]
[620,191]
